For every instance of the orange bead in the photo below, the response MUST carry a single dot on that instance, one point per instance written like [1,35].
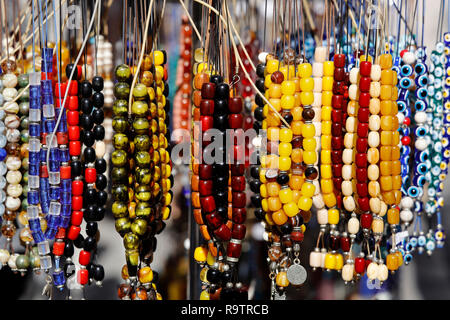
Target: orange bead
[385,61]
[385,168]
[396,182]
[273,188]
[393,216]
[386,183]
[388,197]
[386,92]
[386,77]
[296,127]
[274,203]
[296,182]
[279,217]
[396,168]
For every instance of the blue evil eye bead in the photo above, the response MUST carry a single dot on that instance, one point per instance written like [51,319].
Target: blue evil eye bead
[422,81]
[414,241]
[421,241]
[438,95]
[421,131]
[439,235]
[403,95]
[407,258]
[409,246]
[396,69]
[421,93]
[413,191]
[420,69]
[406,70]
[447,38]
[401,105]
[419,181]
[405,83]
[438,72]
[405,150]
[431,193]
[430,245]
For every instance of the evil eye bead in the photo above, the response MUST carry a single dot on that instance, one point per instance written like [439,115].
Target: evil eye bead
[413,191]
[420,53]
[447,38]
[447,152]
[421,93]
[419,181]
[422,80]
[443,59]
[406,70]
[431,193]
[421,241]
[413,241]
[401,106]
[409,246]
[405,83]
[439,235]
[440,202]
[420,69]
[430,245]
[430,91]
[396,69]
[407,258]
[421,131]
[438,72]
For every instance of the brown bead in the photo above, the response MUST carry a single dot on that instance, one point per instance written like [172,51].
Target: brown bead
[139,294]
[13,149]
[9,215]
[277,77]
[124,291]
[311,173]
[297,142]
[274,253]
[308,114]
[200,79]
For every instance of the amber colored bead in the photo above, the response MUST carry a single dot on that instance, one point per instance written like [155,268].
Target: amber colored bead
[385,61]
[385,168]
[200,79]
[393,216]
[277,77]
[388,197]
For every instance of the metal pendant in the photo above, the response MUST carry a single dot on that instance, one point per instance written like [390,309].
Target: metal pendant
[296,274]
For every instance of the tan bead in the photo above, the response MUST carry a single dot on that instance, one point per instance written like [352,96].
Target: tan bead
[346,187]
[373,139]
[14,190]
[315,259]
[374,122]
[347,156]
[377,225]
[318,201]
[14,177]
[383,272]
[373,172]
[322,216]
[375,89]
[354,75]
[347,172]
[383,209]
[374,106]
[317,84]
[320,55]
[375,72]
[347,272]
[353,225]
[374,189]
[351,124]
[373,155]
[375,205]
[353,92]
[349,140]
[12,203]
[372,271]
[349,203]
[317,69]
[351,108]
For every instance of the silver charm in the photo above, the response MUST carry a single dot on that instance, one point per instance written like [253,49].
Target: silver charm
[48,288]
[296,274]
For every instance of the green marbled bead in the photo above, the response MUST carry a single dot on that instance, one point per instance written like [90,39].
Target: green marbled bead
[123,225]
[140,91]
[119,175]
[143,210]
[130,241]
[24,122]
[25,162]
[143,159]
[120,107]
[143,176]
[122,90]
[24,107]
[22,80]
[139,227]
[120,141]
[22,262]
[120,124]
[141,125]
[119,209]
[25,95]
[119,158]
[120,192]
[24,136]
[24,200]
[122,72]
[35,261]
[139,108]
[143,193]
[142,142]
